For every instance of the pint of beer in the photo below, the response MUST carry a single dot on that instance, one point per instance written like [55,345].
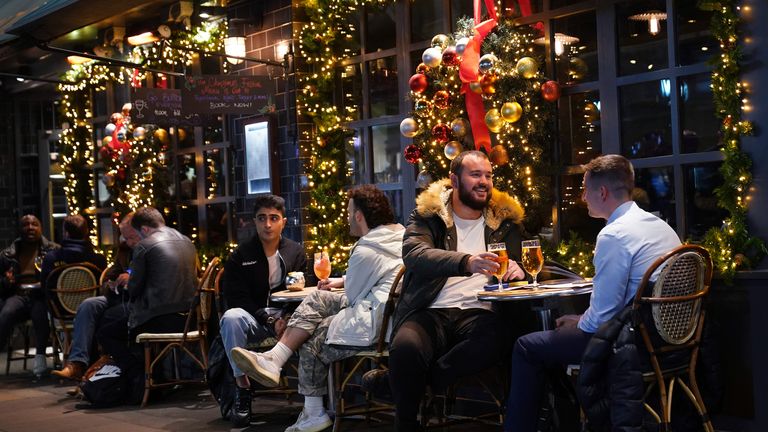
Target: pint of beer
[500,249]
[533,259]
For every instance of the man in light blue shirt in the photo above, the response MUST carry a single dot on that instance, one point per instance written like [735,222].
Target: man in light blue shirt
[629,243]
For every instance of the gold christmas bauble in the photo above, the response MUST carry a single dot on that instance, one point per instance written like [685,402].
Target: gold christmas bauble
[511,111]
[161,135]
[476,87]
[527,67]
[493,120]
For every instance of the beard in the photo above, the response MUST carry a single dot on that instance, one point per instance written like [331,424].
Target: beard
[465,196]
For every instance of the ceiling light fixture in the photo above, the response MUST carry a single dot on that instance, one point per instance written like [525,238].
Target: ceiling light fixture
[76,60]
[142,39]
[653,17]
[561,41]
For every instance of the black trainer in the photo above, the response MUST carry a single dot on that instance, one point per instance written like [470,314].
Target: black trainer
[240,415]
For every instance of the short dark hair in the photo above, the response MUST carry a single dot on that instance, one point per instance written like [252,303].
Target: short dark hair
[147,216]
[457,163]
[269,201]
[614,171]
[76,227]
[374,204]
[21,219]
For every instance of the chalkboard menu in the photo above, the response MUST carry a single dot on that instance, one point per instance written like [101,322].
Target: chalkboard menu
[225,94]
[161,107]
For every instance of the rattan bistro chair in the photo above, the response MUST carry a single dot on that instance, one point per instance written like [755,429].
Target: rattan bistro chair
[192,341]
[670,316]
[70,285]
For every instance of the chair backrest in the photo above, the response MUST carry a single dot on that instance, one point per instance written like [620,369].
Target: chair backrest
[674,302]
[74,283]
[389,309]
[201,304]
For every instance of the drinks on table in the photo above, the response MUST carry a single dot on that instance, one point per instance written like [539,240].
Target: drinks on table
[322,265]
[533,259]
[500,249]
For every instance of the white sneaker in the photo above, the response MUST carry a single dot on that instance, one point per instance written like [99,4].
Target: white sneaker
[307,423]
[39,365]
[257,366]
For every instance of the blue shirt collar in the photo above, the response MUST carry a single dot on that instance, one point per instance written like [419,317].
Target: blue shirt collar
[620,211]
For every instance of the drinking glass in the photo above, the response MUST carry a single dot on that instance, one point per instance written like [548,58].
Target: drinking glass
[533,260]
[500,249]
[322,265]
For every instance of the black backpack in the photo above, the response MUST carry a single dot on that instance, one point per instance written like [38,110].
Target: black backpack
[220,378]
[108,386]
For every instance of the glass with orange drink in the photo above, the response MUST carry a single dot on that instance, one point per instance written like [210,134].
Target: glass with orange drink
[533,259]
[322,265]
[500,249]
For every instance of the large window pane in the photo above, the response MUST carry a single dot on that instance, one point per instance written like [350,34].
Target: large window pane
[396,199]
[580,138]
[350,91]
[188,222]
[460,9]
[382,87]
[350,40]
[699,125]
[355,159]
[641,28]
[217,216]
[694,39]
[426,19]
[215,176]
[701,210]
[645,119]
[574,215]
[213,134]
[655,192]
[380,31]
[185,136]
[576,48]
[187,177]
[386,153]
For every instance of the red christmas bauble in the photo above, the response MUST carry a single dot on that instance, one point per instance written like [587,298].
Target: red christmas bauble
[450,58]
[441,132]
[121,174]
[499,155]
[441,100]
[550,91]
[104,153]
[412,154]
[418,83]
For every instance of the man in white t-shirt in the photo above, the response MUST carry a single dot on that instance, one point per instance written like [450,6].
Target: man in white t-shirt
[255,269]
[442,332]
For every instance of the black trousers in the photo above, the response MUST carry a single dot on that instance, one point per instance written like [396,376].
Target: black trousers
[18,308]
[118,341]
[436,347]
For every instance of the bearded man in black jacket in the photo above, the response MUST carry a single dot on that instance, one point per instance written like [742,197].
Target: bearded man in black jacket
[254,270]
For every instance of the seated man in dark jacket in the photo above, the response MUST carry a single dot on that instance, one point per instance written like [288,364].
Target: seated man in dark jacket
[255,269]
[76,247]
[161,286]
[19,268]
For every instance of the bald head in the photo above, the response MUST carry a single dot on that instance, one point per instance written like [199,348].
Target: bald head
[31,228]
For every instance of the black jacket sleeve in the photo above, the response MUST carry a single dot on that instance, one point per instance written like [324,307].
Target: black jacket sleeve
[237,285]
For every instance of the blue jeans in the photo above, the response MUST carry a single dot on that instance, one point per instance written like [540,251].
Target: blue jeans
[238,328]
[88,314]
[533,353]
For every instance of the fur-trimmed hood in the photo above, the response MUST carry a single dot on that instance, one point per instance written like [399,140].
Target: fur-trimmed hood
[436,200]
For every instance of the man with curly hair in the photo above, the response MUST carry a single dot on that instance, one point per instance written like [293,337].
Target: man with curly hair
[329,326]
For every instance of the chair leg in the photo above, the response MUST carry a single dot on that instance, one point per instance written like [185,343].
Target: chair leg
[147,374]
[695,398]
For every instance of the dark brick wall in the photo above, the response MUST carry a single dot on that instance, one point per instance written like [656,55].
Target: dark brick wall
[274,26]
[8,214]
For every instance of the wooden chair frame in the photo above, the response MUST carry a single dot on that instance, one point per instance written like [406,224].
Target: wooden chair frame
[342,372]
[158,345]
[674,306]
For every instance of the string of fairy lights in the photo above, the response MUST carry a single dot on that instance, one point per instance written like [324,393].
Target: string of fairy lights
[731,246]
[135,169]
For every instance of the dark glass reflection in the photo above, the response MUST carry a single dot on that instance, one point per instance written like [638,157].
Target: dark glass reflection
[574,215]
[426,19]
[382,87]
[645,119]
[576,48]
[217,217]
[350,34]
[701,210]
[460,9]
[655,192]
[187,177]
[188,222]
[215,176]
[580,137]
[699,125]
[212,134]
[511,8]
[695,43]
[396,200]
[185,136]
[380,32]
[641,34]
[387,158]
[356,161]
[349,91]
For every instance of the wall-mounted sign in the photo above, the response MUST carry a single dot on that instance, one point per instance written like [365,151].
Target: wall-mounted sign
[161,107]
[225,94]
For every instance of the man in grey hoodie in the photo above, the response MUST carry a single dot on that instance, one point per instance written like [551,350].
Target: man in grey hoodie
[329,326]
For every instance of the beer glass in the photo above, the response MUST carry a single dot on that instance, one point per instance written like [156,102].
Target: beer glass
[500,249]
[533,259]
[322,265]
